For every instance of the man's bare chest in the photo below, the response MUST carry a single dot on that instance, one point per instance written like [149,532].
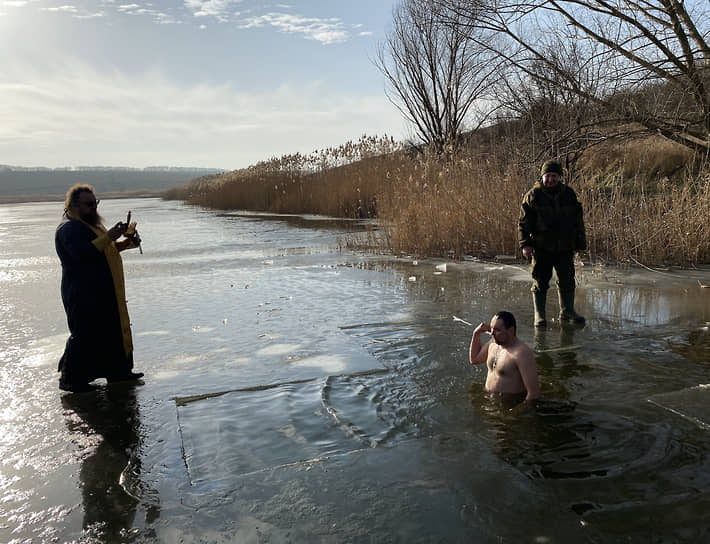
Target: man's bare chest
[501,362]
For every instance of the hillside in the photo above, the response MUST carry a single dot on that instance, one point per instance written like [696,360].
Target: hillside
[25,184]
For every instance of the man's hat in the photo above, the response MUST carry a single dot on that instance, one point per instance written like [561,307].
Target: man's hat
[551,166]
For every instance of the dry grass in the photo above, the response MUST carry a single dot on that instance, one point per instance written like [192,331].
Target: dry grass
[666,225]
[453,209]
[470,205]
[634,160]
[342,181]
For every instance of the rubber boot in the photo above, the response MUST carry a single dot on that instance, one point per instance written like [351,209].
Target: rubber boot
[539,301]
[567,312]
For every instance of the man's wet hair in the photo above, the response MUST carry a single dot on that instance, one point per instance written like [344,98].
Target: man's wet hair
[508,319]
[74,192]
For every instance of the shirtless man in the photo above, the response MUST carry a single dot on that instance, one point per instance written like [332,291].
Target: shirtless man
[511,364]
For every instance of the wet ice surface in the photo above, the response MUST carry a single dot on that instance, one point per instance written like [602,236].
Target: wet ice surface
[297,393]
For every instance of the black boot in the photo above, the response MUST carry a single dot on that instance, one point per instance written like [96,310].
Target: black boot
[81,387]
[567,312]
[539,302]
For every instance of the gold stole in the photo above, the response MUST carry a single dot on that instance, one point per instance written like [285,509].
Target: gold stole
[103,243]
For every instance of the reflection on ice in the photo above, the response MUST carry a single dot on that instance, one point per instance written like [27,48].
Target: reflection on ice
[240,361]
[642,306]
[44,351]
[201,329]
[277,349]
[327,364]
[646,304]
[185,359]
[692,403]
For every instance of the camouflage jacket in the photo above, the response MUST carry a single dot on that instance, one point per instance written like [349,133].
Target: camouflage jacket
[551,219]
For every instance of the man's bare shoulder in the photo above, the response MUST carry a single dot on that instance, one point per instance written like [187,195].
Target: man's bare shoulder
[521,351]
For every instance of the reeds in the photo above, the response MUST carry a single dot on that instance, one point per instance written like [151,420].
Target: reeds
[453,208]
[342,181]
[469,205]
[668,224]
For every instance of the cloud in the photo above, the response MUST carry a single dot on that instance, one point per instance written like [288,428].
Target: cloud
[77,115]
[219,9]
[332,30]
[88,15]
[65,9]
[157,16]
[326,31]
[134,9]
[75,12]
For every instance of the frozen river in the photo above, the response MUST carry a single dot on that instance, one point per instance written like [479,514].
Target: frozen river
[297,392]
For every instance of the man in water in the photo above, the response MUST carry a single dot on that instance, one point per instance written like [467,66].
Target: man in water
[550,230]
[511,364]
[93,293]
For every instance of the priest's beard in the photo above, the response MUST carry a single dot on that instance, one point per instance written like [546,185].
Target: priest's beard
[92,218]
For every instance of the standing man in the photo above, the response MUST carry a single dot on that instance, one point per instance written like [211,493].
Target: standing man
[93,294]
[511,363]
[550,230]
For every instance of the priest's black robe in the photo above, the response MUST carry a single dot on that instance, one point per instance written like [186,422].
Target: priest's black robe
[93,294]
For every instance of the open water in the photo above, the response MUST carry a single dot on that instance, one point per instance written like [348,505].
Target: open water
[299,392]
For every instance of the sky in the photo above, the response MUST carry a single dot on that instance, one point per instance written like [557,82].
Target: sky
[190,83]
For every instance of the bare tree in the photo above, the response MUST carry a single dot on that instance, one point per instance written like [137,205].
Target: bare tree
[558,120]
[437,74]
[650,59]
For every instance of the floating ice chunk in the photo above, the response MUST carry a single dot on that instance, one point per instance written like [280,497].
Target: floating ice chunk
[268,261]
[441,267]
[412,278]
[415,263]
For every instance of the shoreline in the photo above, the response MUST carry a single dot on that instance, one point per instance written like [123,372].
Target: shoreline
[20,199]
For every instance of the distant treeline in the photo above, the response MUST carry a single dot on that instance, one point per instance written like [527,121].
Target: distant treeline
[31,183]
